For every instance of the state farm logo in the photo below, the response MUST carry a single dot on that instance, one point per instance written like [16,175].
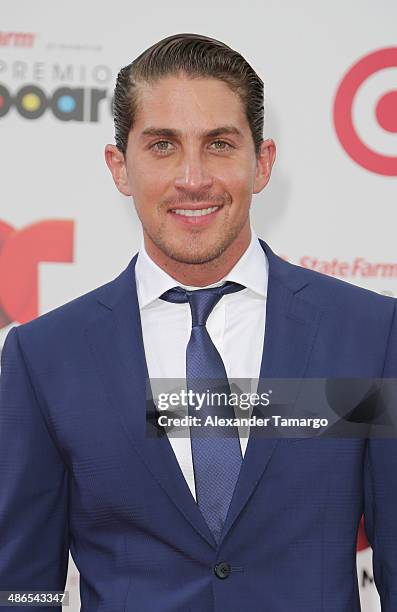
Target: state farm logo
[357,267]
[20,253]
[365,115]
[17,39]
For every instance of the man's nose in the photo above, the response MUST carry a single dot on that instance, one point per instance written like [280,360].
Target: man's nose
[193,173]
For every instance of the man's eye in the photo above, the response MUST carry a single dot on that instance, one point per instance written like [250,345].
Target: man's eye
[221,145]
[161,146]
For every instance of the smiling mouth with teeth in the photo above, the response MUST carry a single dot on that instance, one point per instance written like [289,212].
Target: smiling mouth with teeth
[185,212]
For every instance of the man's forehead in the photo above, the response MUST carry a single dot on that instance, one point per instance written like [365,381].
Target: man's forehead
[178,105]
[189,105]
[210,94]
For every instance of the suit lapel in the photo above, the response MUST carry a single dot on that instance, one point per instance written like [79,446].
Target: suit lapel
[116,342]
[290,331]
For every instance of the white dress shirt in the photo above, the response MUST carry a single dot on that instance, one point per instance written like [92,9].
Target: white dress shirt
[236,326]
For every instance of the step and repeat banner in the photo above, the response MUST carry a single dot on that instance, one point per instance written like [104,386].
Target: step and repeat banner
[330,71]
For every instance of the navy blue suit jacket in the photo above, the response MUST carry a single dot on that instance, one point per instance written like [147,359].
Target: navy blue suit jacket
[78,471]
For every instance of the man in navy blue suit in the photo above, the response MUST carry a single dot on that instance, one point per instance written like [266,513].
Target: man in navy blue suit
[162,523]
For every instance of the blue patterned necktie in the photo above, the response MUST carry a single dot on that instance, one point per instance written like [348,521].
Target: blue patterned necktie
[216,453]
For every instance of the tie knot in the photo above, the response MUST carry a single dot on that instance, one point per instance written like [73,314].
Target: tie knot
[201,301]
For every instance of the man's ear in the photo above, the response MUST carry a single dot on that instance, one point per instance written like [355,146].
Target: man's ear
[116,163]
[264,163]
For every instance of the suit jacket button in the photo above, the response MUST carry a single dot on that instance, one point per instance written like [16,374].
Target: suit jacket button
[222,570]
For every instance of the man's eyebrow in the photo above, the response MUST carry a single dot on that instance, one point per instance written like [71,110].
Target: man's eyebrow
[166,132]
[170,133]
[225,129]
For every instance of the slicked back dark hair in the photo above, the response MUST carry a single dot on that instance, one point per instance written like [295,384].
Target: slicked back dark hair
[199,57]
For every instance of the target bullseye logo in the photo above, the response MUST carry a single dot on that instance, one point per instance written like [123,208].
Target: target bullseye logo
[385,112]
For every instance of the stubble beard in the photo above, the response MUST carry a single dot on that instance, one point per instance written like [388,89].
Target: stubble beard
[196,250]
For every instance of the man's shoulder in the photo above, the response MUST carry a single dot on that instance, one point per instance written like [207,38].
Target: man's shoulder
[70,318]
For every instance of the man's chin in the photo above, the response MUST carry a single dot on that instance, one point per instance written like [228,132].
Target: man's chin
[194,256]
[193,259]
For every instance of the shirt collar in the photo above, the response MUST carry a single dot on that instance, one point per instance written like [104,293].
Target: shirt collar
[251,270]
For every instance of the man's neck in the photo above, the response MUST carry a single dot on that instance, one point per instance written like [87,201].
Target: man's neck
[202,274]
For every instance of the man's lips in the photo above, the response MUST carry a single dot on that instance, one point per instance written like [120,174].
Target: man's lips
[199,206]
[195,219]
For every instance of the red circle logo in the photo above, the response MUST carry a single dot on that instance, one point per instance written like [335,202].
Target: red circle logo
[385,112]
